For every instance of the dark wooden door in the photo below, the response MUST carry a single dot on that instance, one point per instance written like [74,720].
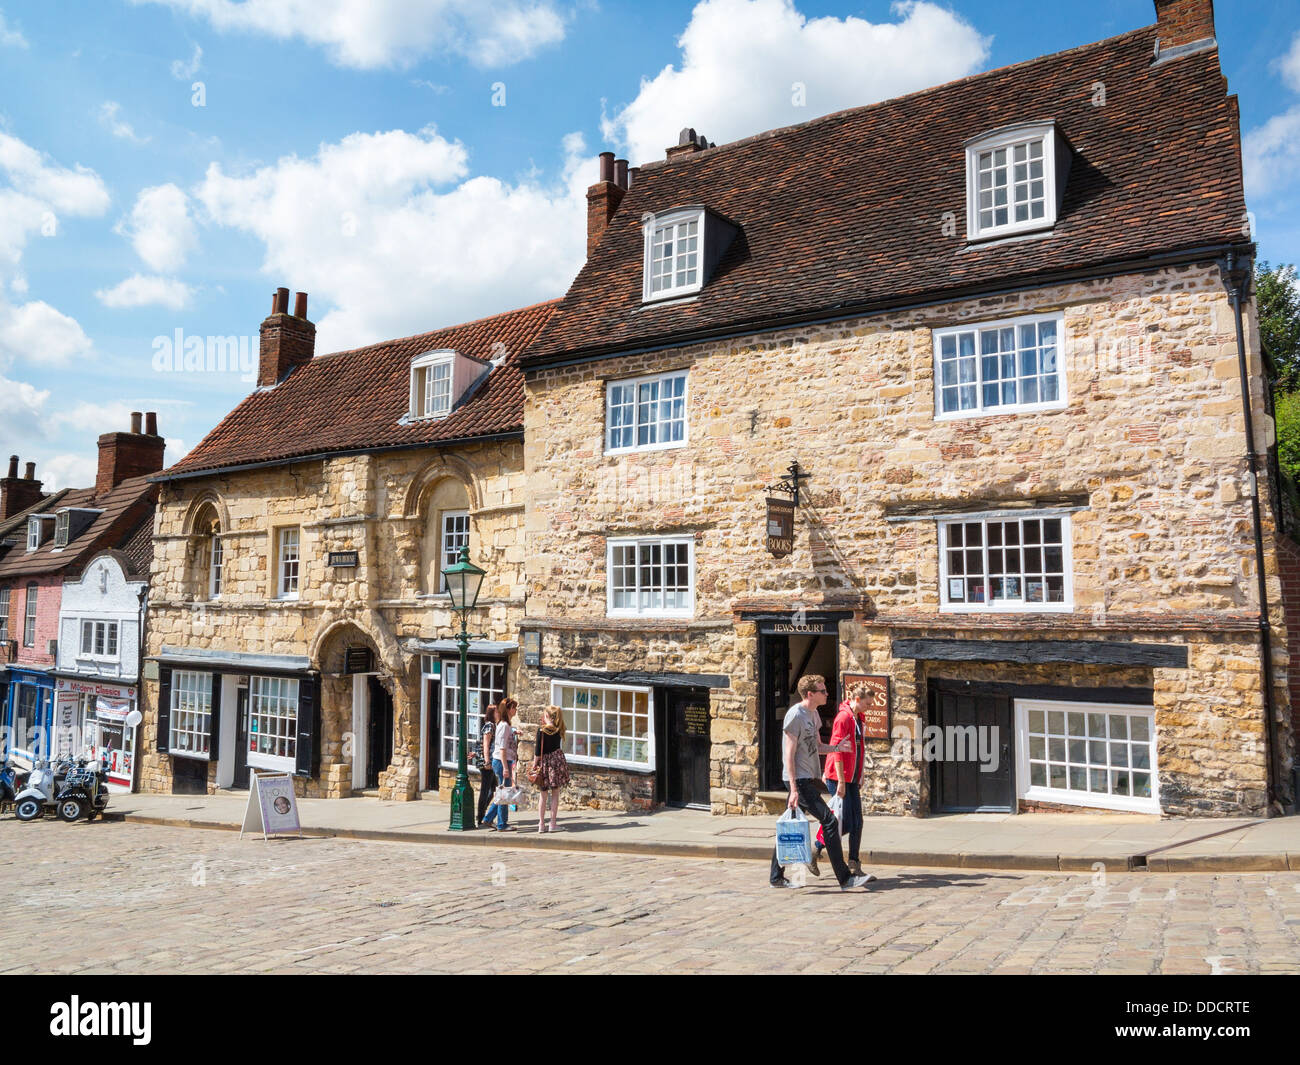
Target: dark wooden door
[688,747]
[432,733]
[241,740]
[379,733]
[976,732]
[774,701]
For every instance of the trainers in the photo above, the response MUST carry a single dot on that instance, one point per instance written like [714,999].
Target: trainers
[856,882]
[812,866]
[855,867]
[780,883]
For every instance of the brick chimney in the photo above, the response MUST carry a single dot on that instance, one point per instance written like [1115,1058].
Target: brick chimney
[19,493]
[1180,23]
[688,143]
[288,340]
[604,197]
[133,454]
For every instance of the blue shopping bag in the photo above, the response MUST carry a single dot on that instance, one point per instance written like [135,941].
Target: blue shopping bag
[793,839]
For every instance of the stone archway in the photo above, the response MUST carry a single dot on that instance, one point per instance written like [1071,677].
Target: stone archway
[364,715]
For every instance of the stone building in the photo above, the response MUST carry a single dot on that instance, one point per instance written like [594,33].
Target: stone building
[1004,329]
[297,617]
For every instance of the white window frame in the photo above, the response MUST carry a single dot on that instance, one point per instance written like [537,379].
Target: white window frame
[978,329]
[99,639]
[1014,606]
[653,225]
[4,615]
[449,705]
[258,702]
[637,542]
[200,705]
[1074,797]
[423,405]
[636,383]
[216,562]
[30,606]
[62,525]
[287,584]
[1009,138]
[445,536]
[571,734]
[33,533]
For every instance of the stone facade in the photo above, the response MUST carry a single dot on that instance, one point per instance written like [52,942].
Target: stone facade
[384,506]
[1149,453]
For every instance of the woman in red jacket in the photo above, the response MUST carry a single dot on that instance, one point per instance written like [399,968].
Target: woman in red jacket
[844,771]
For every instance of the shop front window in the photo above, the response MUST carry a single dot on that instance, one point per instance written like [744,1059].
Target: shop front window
[609,725]
[273,723]
[191,714]
[485,683]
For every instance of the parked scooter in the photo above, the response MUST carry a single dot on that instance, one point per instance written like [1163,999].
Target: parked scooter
[72,789]
[12,781]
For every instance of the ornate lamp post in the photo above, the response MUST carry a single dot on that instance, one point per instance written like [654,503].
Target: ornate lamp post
[464,579]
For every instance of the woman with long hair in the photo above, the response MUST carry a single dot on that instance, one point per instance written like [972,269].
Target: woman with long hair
[504,755]
[552,766]
[487,779]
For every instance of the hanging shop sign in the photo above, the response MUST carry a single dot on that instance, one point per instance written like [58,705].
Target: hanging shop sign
[878,705]
[272,807]
[358,660]
[532,649]
[780,527]
[343,559]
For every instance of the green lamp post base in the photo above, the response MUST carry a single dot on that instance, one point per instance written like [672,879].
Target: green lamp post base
[462,807]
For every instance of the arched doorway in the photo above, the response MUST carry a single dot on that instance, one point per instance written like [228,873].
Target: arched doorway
[357,703]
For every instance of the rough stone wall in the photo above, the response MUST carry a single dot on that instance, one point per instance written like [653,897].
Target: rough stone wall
[371,504]
[1151,443]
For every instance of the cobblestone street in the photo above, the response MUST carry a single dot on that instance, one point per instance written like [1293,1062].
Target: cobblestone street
[150,899]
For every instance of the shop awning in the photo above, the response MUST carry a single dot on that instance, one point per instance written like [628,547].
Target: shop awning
[231,661]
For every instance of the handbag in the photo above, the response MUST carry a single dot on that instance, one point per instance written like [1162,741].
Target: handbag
[535,766]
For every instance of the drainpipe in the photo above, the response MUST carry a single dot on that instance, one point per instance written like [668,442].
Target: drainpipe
[1238,278]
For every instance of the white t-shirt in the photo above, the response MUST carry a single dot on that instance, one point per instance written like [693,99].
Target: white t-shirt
[805,728]
[501,741]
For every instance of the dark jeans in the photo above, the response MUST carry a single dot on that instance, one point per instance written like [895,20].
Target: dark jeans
[812,803]
[852,815]
[487,783]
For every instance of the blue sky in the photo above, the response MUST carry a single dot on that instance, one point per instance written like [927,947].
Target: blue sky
[165,164]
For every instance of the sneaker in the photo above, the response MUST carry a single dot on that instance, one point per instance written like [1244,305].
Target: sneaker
[856,882]
[780,883]
[812,866]
[855,867]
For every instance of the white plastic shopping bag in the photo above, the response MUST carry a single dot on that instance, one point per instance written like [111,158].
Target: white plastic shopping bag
[507,795]
[837,808]
[793,839]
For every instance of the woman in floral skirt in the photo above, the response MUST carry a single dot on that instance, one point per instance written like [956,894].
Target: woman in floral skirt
[553,768]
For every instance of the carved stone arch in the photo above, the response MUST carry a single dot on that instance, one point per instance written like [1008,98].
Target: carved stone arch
[368,624]
[439,470]
[207,497]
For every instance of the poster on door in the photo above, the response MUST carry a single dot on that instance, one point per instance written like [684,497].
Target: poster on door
[115,743]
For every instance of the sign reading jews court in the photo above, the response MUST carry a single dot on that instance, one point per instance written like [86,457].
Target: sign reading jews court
[780,526]
[877,716]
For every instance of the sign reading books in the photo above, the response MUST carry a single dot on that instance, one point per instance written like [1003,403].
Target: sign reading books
[877,716]
[780,526]
[272,808]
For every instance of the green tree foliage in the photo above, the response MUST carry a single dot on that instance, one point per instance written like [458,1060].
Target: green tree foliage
[1287,413]
[1278,301]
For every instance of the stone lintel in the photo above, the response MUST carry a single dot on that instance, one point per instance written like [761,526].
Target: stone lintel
[1086,652]
[636,676]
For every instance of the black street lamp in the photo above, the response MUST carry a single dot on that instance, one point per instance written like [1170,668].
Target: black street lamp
[464,579]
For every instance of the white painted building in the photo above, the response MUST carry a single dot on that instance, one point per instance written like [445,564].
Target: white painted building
[97,669]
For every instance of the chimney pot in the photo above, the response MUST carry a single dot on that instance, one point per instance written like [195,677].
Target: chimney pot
[287,342]
[151,423]
[30,474]
[13,465]
[135,422]
[281,301]
[17,495]
[632,174]
[620,173]
[606,166]
[300,305]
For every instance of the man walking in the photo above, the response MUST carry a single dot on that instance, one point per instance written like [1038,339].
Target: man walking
[801,769]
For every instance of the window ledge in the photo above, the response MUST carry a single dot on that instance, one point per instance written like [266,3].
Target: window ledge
[994,412]
[668,300]
[1008,236]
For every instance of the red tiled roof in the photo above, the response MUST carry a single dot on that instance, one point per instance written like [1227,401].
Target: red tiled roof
[846,212]
[138,549]
[123,509]
[355,399]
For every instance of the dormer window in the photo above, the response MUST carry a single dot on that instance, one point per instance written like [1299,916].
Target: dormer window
[33,533]
[61,529]
[431,384]
[1012,179]
[674,253]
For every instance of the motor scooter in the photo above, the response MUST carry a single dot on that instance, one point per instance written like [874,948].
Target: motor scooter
[12,780]
[42,786]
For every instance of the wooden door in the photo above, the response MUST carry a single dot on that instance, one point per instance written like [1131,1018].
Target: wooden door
[240,779]
[774,701]
[688,747]
[970,724]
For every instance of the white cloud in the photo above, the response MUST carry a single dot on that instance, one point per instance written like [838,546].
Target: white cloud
[380,33]
[141,291]
[77,470]
[1271,154]
[11,38]
[160,228]
[109,113]
[38,333]
[76,191]
[183,71]
[393,235]
[22,410]
[1289,65]
[743,63]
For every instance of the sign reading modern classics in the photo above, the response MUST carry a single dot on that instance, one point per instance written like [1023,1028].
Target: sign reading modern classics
[343,559]
[272,808]
[780,527]
[877,716]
